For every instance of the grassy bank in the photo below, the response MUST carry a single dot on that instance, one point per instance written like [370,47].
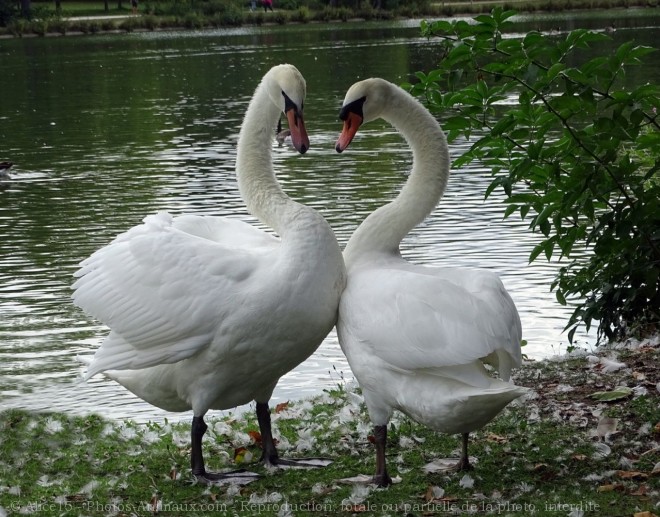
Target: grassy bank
[155,16]
[562,451]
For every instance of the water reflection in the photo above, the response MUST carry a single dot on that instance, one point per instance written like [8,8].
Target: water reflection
[105,133]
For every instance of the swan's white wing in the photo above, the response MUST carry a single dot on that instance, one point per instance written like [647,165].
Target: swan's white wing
[164,291]
[422,321]
[230,232]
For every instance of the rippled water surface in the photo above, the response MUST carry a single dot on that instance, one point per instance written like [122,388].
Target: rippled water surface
[107,129]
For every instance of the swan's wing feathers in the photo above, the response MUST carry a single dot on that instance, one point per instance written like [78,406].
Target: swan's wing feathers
[422,322]
[162,292]
[117,354]
[227,231]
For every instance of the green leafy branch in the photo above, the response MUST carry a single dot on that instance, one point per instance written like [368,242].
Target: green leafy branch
[570,144]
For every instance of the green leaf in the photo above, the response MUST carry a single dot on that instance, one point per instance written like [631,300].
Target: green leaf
[618,393]
[546,247]
[485,19]
[560,297]
[554,70]
[510,209]
[504,124]
[544,215]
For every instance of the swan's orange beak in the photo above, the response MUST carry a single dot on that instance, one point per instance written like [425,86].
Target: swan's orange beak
[299,137]
[352,123]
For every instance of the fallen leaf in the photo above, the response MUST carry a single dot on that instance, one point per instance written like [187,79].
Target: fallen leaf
[256,436]
[173,473]
[644,514]
[632,474]
[639,376]
[371,438]
[242,455]
[492,437]
[281,406]
[579,457]
[618,393]
[641,491]
[610,488]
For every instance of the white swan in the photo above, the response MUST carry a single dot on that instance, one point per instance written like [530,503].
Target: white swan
[208,312]
[415,336]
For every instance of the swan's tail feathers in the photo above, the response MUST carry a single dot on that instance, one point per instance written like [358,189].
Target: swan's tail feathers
[114,360]
[491,402]
[86,360]
[117,354]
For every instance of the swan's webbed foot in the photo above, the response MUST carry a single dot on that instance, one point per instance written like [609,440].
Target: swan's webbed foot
[242,477]
[462,465]
[270,457]
[300,463]
[237,477]
[382,480]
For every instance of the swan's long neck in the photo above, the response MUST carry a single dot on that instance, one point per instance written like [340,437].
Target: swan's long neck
[257,183]
[384,229]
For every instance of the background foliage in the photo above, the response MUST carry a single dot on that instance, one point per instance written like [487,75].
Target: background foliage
[574,151]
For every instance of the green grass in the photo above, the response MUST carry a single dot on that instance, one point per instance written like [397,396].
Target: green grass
[542,457]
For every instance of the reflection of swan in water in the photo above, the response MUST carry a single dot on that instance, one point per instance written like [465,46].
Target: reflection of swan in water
[416,337]
[209,312]
[4,170]
[282,135]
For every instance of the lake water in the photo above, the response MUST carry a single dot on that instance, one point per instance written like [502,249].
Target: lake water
[107,129]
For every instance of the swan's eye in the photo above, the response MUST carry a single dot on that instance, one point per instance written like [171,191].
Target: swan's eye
[288,103]
[353,107]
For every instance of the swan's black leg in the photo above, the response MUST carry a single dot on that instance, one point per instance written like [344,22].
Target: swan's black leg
[464,462]
[381,478]
[270,456]
[197,431]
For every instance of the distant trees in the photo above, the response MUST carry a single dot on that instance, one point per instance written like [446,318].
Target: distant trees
[10,9]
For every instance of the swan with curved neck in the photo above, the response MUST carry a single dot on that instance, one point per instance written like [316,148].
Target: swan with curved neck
[209,312]
[416,337]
